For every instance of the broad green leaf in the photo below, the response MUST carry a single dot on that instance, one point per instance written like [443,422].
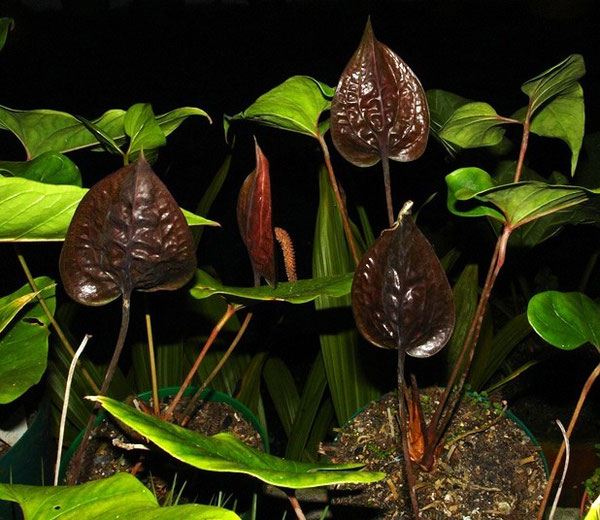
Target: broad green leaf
[50,168]
[466,294]
[554,81]
[295,105]
[565,320]
[24,343]
[105,140]
[348,383]
[564,118]
[301,291]
[6,24]
[282,389]
[442,105]
[471,193]
[10,305]
[490,356]
[224,453]
[473,125]
[32,211]
[119,496]
[594,512]
[49,130]
[142,128]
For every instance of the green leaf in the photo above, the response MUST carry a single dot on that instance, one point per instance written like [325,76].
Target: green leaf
[249,393]
[224,453]
[105,140]
[10,305]
[564,118]
[301,291]
[142,128]
[50,168]
[24,343]
[32,211]
[594,512]
[49,130]
[473,125]
[348,383]
[442,105]
[471,193]
[119,496]
[295,105]
[6,24]
[555,81]
[565,320]
[282,389]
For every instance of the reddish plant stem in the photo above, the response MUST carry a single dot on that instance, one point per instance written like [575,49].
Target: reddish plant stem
[188,410]
[385,164]
[445,409]
[555,467]
[339,201]
[524,142]
[78,458]
[229,312]
[295,505]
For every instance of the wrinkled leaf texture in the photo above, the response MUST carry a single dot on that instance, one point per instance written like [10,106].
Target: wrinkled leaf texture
[127,233]
[379,108]
[401,298]
[254,219]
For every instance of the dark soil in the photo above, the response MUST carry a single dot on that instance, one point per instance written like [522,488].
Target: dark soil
[106,455]
[489,468]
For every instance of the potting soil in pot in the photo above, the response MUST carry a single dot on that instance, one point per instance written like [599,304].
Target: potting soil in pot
[489,467]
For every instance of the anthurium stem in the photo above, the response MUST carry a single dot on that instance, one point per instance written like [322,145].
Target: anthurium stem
[387,183]
[340,203]
[188,410]
[410,477]
[295,504]
[524,143]
[53,321]
[152,365]
[582,397]
[229,312]
[445,408]
[125,313]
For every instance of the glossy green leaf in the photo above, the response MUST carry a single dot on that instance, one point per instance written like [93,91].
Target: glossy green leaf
[32,211]
[442,105]
[282,390]
[472,193]
[224,453]
[49,130]
[6,24]
[554,81]
[105,140]
[564,118]
[50,168]
[24,343]
[301,291]
[473,125]
[10,305]
[594,512]
[142,128]
[348,383]
[119,496]
[565,320]
[295,105]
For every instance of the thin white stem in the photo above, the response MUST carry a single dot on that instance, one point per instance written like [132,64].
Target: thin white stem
[564,473]
[65,408]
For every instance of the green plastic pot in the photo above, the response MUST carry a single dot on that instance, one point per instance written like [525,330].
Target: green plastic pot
[170,391]
[30,460]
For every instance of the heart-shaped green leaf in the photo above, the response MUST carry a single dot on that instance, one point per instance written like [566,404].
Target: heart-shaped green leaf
[142,128]
[401,298]
[554,81]
[254,219]
[565,320]
[473,125]
[24,342]
[224,453]
[442,105]
[50,168]
[295,105]
[127,233]
[49,130]
[116,497]
[472,193]
[32,211]
[379,108]
[301,291]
